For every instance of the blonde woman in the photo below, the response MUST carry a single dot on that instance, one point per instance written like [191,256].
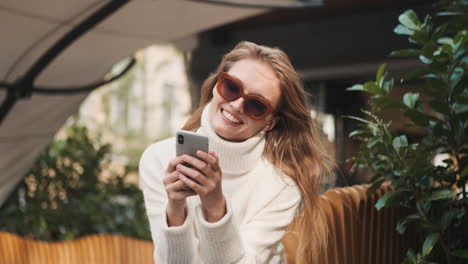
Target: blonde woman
[263,168]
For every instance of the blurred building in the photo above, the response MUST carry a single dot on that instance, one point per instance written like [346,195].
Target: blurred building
[150,103]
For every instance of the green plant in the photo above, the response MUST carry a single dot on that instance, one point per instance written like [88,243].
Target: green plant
[437,103]
[71,191]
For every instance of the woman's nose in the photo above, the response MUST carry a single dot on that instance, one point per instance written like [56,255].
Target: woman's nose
[237,105]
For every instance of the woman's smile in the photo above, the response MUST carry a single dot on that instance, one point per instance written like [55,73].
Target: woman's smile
[228,118]
[231,119]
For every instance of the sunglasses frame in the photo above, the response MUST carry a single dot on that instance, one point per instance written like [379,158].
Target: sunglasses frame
[224,75]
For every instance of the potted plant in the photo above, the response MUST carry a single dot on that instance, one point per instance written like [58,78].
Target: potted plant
[436,101]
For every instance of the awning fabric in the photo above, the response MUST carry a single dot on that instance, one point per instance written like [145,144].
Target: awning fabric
[29,28]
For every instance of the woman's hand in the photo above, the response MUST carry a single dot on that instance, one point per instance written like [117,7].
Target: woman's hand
[205,179]
[177,193]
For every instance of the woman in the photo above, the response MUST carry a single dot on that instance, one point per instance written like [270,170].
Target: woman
[264,167]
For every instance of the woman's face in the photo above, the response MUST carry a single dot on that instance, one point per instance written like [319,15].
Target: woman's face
[228,118]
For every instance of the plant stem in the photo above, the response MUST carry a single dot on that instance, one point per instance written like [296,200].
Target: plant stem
[442,241]
[458,172]
[448,257]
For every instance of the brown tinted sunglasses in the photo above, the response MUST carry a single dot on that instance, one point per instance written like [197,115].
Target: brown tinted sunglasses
[231,89]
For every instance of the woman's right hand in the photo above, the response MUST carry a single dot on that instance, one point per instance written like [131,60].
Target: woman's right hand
[177,193]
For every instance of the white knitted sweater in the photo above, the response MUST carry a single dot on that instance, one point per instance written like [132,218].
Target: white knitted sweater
[261,202]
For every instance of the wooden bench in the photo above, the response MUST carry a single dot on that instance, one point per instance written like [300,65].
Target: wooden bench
[99,249]
[359,234]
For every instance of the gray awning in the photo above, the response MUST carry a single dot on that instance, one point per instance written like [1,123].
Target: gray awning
[29,28]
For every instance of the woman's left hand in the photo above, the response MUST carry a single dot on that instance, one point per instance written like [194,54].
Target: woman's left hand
[205,179]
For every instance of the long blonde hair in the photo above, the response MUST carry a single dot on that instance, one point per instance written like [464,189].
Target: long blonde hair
[294,145]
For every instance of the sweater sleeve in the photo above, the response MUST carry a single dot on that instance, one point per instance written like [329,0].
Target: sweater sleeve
[257,241]
[172,244]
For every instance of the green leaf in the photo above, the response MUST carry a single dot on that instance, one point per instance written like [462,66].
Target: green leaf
[411,257]
[380,73]
[357,132]
[447,41]
[356,87]
[416,74]
[388,86]
[420,37]
[421,209]
[462,37]
[385,199]
[441,51]
[441,194]
[425,59]
[400,142]
[387,102]
[372,87]
[460,108]
[427,20]
[440,31]
[410,99]
[402,30]
[373,141]
[464,172]
[410,20]
[456,77]
[402,224]
[359,119]
[462,253]
[375,185]
[405,53]
[460,85]
[429,49]
[448,217]
[429,243]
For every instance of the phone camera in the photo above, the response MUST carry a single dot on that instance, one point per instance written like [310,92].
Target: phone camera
[180,139]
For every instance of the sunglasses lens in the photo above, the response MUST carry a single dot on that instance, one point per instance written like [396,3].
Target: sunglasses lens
[254,108]
[230,90]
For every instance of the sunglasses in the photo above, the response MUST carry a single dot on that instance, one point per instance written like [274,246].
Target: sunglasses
[231,89]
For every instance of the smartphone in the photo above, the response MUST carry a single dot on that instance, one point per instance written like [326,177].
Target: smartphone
[189,143]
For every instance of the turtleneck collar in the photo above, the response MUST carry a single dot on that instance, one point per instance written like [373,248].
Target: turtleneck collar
[234,157]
